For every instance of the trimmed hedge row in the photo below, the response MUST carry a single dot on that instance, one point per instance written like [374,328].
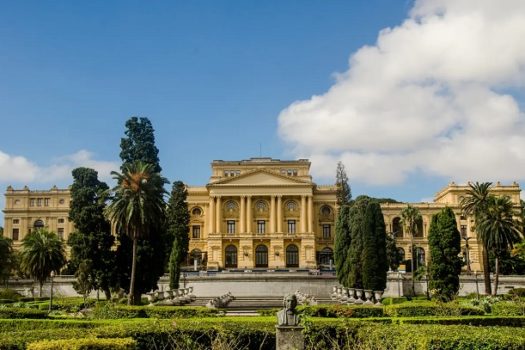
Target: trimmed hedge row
[109,311]
[428,308]
[15,312]
[507,308]
[84,344]
[351,311]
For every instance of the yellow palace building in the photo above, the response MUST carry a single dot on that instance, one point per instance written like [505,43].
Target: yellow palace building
[261,213]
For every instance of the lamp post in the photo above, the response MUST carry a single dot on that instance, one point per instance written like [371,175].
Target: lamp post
[467,253]
[51,295]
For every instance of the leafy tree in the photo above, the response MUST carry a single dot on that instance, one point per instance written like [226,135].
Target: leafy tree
[178,219]
[445,264]
[139,145]
[342,245]
[7,258]
[410,217]
[42,252]
[475,204]
[393,255]
[92,241]
[498,229]
[138,209]
[344,193]
[84,283]
[374,259]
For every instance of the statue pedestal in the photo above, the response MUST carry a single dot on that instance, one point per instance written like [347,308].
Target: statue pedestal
[289,338]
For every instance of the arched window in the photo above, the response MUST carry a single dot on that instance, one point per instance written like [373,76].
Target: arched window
[231,205]
[326,210]
[230,256]
[325,256]
[196,211]
[401,253]
[195,255]
[39,224]
[419,257]
[261,256]
[261,206]
[419,228]
[397,227]
[291,206]
[292,256]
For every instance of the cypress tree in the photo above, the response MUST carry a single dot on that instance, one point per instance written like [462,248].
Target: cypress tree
[357,223]
[139,145]
[178,219]
[92,241]
[445,264]
[342,245]
[374,259]
[344,193]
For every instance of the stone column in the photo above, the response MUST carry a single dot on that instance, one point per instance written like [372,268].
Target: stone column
[242,217]
[280,214]
[218,215]
[211,215]
[272,214]
[303,214]
[310,213]
[249,214]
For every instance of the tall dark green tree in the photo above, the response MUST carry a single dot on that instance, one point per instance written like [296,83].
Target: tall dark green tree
[178,219]
[374,259]
[355,257]
[42,252]
[7,258]
[475,204]
[92,242]
[445,264]
[342,245]
[344,193]
[393,255]
[138,209]
[139,145]
[410,217]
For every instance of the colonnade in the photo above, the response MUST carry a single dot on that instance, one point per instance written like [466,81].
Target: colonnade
[246,217]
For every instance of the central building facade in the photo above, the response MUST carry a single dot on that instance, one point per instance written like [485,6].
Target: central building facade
[261,213]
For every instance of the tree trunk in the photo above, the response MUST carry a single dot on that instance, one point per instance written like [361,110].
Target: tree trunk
[40,289]
[131,296]
[496,278]
[486,271]
[107,293]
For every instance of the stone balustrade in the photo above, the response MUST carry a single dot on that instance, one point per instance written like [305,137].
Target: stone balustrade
[179,296]
[356,296]
[220,302]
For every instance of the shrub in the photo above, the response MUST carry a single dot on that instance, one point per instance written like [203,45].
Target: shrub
[84,344]
[6,301]
[13,312]
[509,308]
[428,308]
[7,293]
[391,301]
[483,321]
[518,292]
[109,311]
[354,311]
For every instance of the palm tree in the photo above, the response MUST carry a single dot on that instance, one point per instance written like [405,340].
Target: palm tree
[410,216]
[498,229]
[42,252]
[137,208]
[475,204]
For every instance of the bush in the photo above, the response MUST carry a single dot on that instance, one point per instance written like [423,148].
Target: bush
[354,311]
[84,344]
[6,301]
[509,308]
[7,293]
[428,308]
[518,292]
[109,311]
[391,301]
[483,321]
[14,312]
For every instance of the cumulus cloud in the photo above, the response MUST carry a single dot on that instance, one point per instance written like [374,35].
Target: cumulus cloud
[432,95]
[21,170]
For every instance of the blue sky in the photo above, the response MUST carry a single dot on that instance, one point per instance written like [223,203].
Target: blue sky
[224,79]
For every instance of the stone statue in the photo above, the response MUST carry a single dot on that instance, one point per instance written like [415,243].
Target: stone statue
[287,316]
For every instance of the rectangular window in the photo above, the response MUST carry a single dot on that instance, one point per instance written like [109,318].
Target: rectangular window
[16,221]
[196,231]
[463,230]
[291,226]
[16,233]
[230,226]
[46,202]
[261,226]
[60,232]
[61,220]
[39,202]
[327,231]
[32,202]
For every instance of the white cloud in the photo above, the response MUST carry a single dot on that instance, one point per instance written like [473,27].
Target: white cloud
[21,170]
[428,97]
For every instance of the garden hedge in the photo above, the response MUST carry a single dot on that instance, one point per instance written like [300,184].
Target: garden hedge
[84,344]
[109,311]
[15,312]
[354,311]
[429,308]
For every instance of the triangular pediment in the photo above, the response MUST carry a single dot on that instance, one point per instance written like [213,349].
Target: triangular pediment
[260,178]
